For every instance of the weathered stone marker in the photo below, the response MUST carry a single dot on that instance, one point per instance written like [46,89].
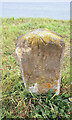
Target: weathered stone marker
[40,55]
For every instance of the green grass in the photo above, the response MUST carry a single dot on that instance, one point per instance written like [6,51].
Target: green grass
[16,101]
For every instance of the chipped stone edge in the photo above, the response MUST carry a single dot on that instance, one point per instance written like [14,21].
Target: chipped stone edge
[20,66]
[59,80]
[34,88]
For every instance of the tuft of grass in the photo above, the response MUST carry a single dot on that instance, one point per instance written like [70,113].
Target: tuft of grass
[23,104]
[16,102]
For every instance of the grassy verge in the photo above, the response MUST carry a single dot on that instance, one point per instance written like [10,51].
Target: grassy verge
[16,101]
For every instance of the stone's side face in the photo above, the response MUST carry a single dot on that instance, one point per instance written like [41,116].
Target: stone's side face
[40,55]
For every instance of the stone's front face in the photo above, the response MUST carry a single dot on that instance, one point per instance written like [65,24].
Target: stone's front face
[40,55]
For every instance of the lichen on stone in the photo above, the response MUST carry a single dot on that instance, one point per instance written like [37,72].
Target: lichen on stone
[40,36]
[19,52]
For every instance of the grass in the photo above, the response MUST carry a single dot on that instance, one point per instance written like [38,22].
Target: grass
[16,102]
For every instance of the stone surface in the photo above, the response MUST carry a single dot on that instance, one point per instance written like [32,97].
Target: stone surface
[40,55]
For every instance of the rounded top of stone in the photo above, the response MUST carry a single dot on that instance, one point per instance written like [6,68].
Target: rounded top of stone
[40,36]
